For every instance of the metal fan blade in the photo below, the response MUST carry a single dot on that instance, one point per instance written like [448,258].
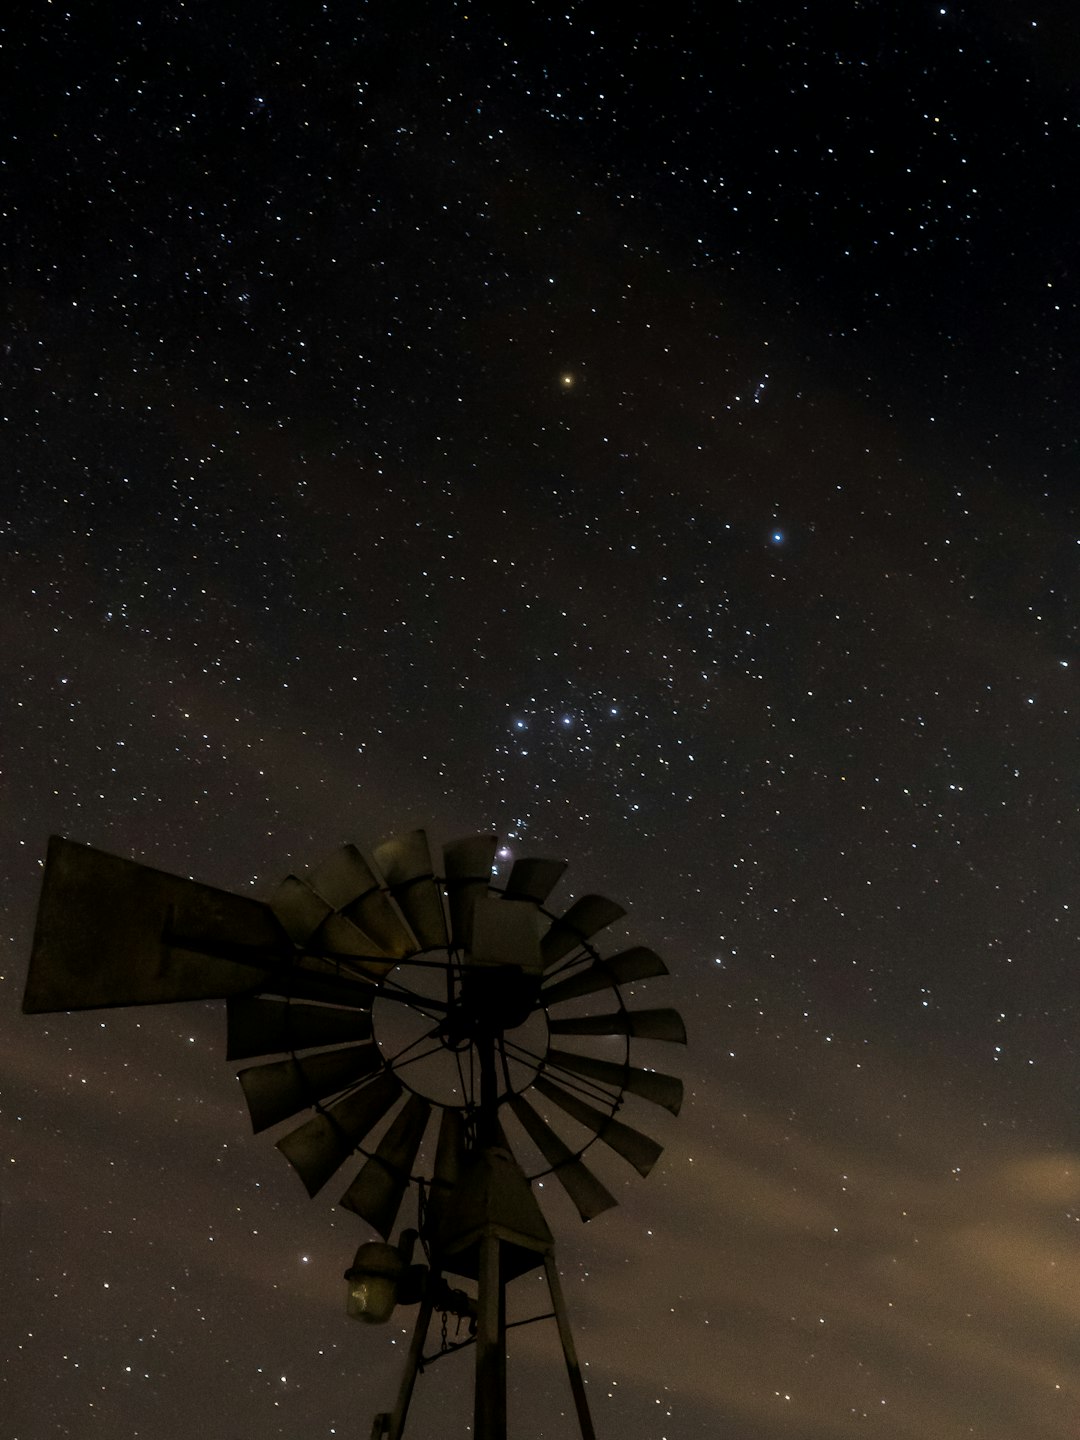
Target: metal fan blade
[266,1027]
[635,964]
[377,1192]
[276,1091]
[322,1144]
[584,918]
[372,912]
[343,877]
[631,1144]
[405,862]
[113,932]
[339,939]
[298,908]
[533,879]
[573,1175]
[467,866]
[641,1024]
[317,980]
[651,1085]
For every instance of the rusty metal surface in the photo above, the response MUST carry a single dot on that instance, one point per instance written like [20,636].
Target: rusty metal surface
[113,932]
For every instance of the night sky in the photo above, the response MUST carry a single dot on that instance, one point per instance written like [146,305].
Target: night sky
[650,436]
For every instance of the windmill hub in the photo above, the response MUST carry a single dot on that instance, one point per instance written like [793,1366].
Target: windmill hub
[433,1044]
[493,1000]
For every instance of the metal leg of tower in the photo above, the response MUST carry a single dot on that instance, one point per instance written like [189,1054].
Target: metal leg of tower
[412,1361]
[573,1369]
[489,1410]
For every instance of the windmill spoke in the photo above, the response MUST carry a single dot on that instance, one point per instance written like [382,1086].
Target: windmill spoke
[392,1060]
[573,1080]
[387,988]
[568,1078]
[420,1003]
[505,1063]
[579,957]
[466,1090]
[524,1053]
[415,1059]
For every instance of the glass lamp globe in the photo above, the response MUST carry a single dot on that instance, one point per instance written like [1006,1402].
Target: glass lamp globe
[373,1282]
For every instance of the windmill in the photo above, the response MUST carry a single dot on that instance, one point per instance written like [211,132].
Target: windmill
[461,1040]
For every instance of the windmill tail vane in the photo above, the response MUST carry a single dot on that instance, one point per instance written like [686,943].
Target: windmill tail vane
[457,1037]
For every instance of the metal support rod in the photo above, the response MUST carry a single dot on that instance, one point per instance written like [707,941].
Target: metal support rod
[488,1126]
[573,1369]
[489,1408]
[412,1360]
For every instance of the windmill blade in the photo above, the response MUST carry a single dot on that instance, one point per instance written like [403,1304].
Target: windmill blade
[312,979]
[342,878]
[467,867]
[405,862]
[636,964]
[641,1024]
[114,932]
[266,1027]
[584,1189]
[299,910]
[631,1144]
[377,1192]
[584,918]
[322,1144]
[533,879]
[651,1085]
[276,1091]
[340,939]
[373,913]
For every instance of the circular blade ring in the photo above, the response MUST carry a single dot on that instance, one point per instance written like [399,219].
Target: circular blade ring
[418,1002]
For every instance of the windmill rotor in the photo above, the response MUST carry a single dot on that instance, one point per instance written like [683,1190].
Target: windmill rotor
[384,1035]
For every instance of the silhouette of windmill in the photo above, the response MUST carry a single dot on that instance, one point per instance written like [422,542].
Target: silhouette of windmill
[430,1023]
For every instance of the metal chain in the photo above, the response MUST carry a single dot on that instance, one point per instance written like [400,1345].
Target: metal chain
[445,1343]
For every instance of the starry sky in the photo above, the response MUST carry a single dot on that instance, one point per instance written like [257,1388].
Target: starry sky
[652,438]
